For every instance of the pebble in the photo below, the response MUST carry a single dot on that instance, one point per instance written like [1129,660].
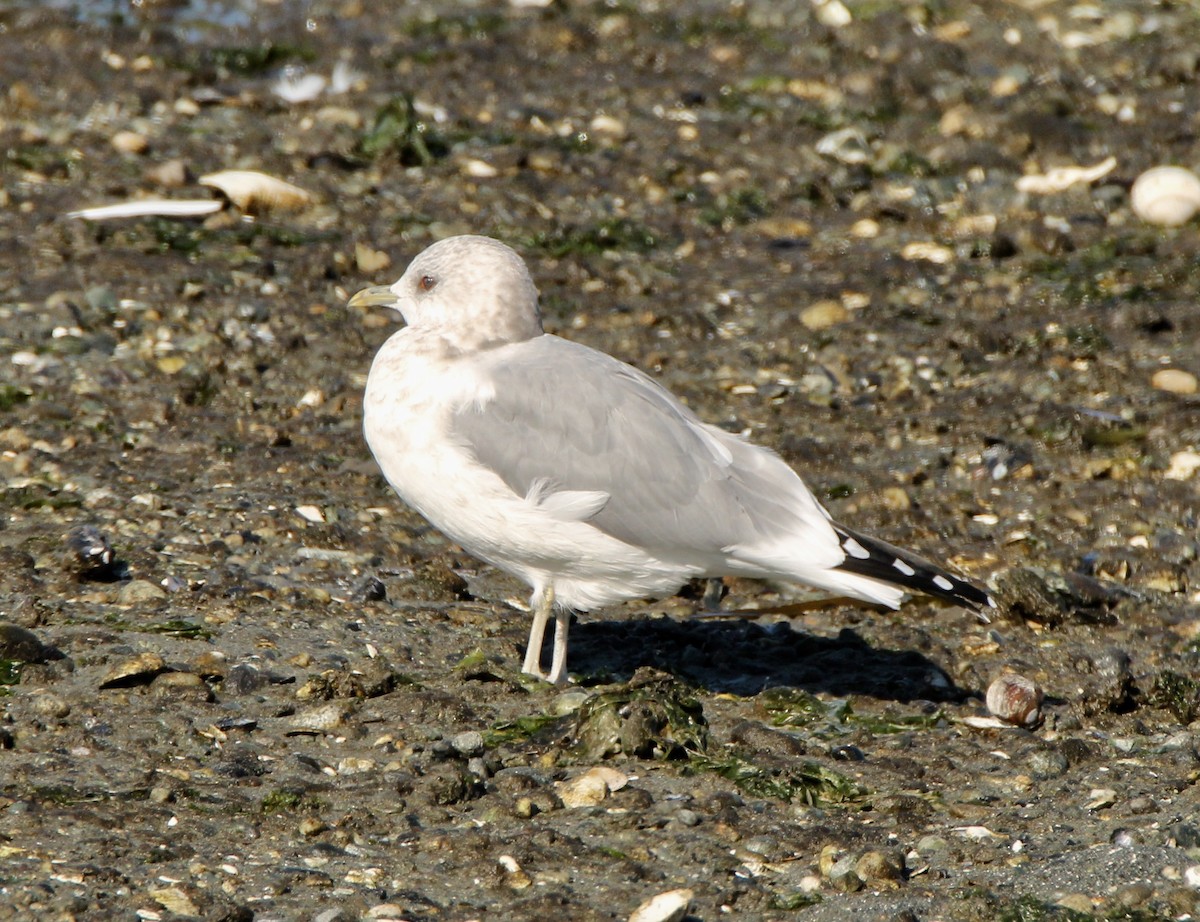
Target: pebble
[130,142]
[1076,902]
[137,591]
[170,174]
[515,877]
[48,706]
[880,869]
[1175,381]
[843,875]
[1044,764]
[20,644]
[181,686]
[326,717]
[468,744]
[1165,195]
[932,845]
[568,702]
[824,314]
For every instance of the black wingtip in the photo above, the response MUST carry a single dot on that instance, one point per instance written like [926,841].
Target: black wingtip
[876,559]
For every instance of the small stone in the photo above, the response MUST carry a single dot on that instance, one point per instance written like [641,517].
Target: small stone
[1077,902]
[161,794]
[181,686]
[688,817]
[48,706]
[568,702]
[608,125]
[326,717]
[139,591]
[515,877]
[370,261]
[175,900]
[1131,896]
[1191,876]
[19,644]
[170,174]
[311,826]
[1044,764]
[843,876]
[478,169]
[880,869]
[1101,799]
[130,142]
[171,364]
[932,845]
[1175,381]
[468,744]
[824,314]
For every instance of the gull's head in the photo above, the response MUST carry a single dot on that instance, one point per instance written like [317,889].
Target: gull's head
[474,292]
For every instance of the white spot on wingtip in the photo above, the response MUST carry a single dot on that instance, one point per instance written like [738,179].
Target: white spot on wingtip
[854,549]
[903,567]
[942,583]
[992,602]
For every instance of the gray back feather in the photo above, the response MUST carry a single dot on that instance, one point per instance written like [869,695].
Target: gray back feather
[566,417]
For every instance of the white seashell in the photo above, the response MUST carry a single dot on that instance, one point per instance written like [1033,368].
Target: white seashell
[1064,177]
[1184,465]
[146,207]
[1016,699]
[293,87]
[664,907]
[480,169]
[343,78]
[1175,381]
[592,787]
[832,13]
[1166,195]
[253,191]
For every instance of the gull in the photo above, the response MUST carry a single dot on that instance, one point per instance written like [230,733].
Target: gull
[578,473]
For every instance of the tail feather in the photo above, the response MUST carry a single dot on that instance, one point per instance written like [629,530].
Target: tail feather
[886,563]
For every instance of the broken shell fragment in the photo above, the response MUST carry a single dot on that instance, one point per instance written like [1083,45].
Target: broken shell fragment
[1166,195]
[1063,177]
[150,207]
[664,907]
[252,191]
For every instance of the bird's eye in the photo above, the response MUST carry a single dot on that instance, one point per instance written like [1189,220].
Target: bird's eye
[427,283]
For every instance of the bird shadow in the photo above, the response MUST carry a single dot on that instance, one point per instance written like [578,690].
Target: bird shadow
[743,658]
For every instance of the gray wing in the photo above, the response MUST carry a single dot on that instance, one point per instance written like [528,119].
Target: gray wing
[568,418]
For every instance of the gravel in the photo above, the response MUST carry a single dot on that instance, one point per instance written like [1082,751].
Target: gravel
[239,681]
